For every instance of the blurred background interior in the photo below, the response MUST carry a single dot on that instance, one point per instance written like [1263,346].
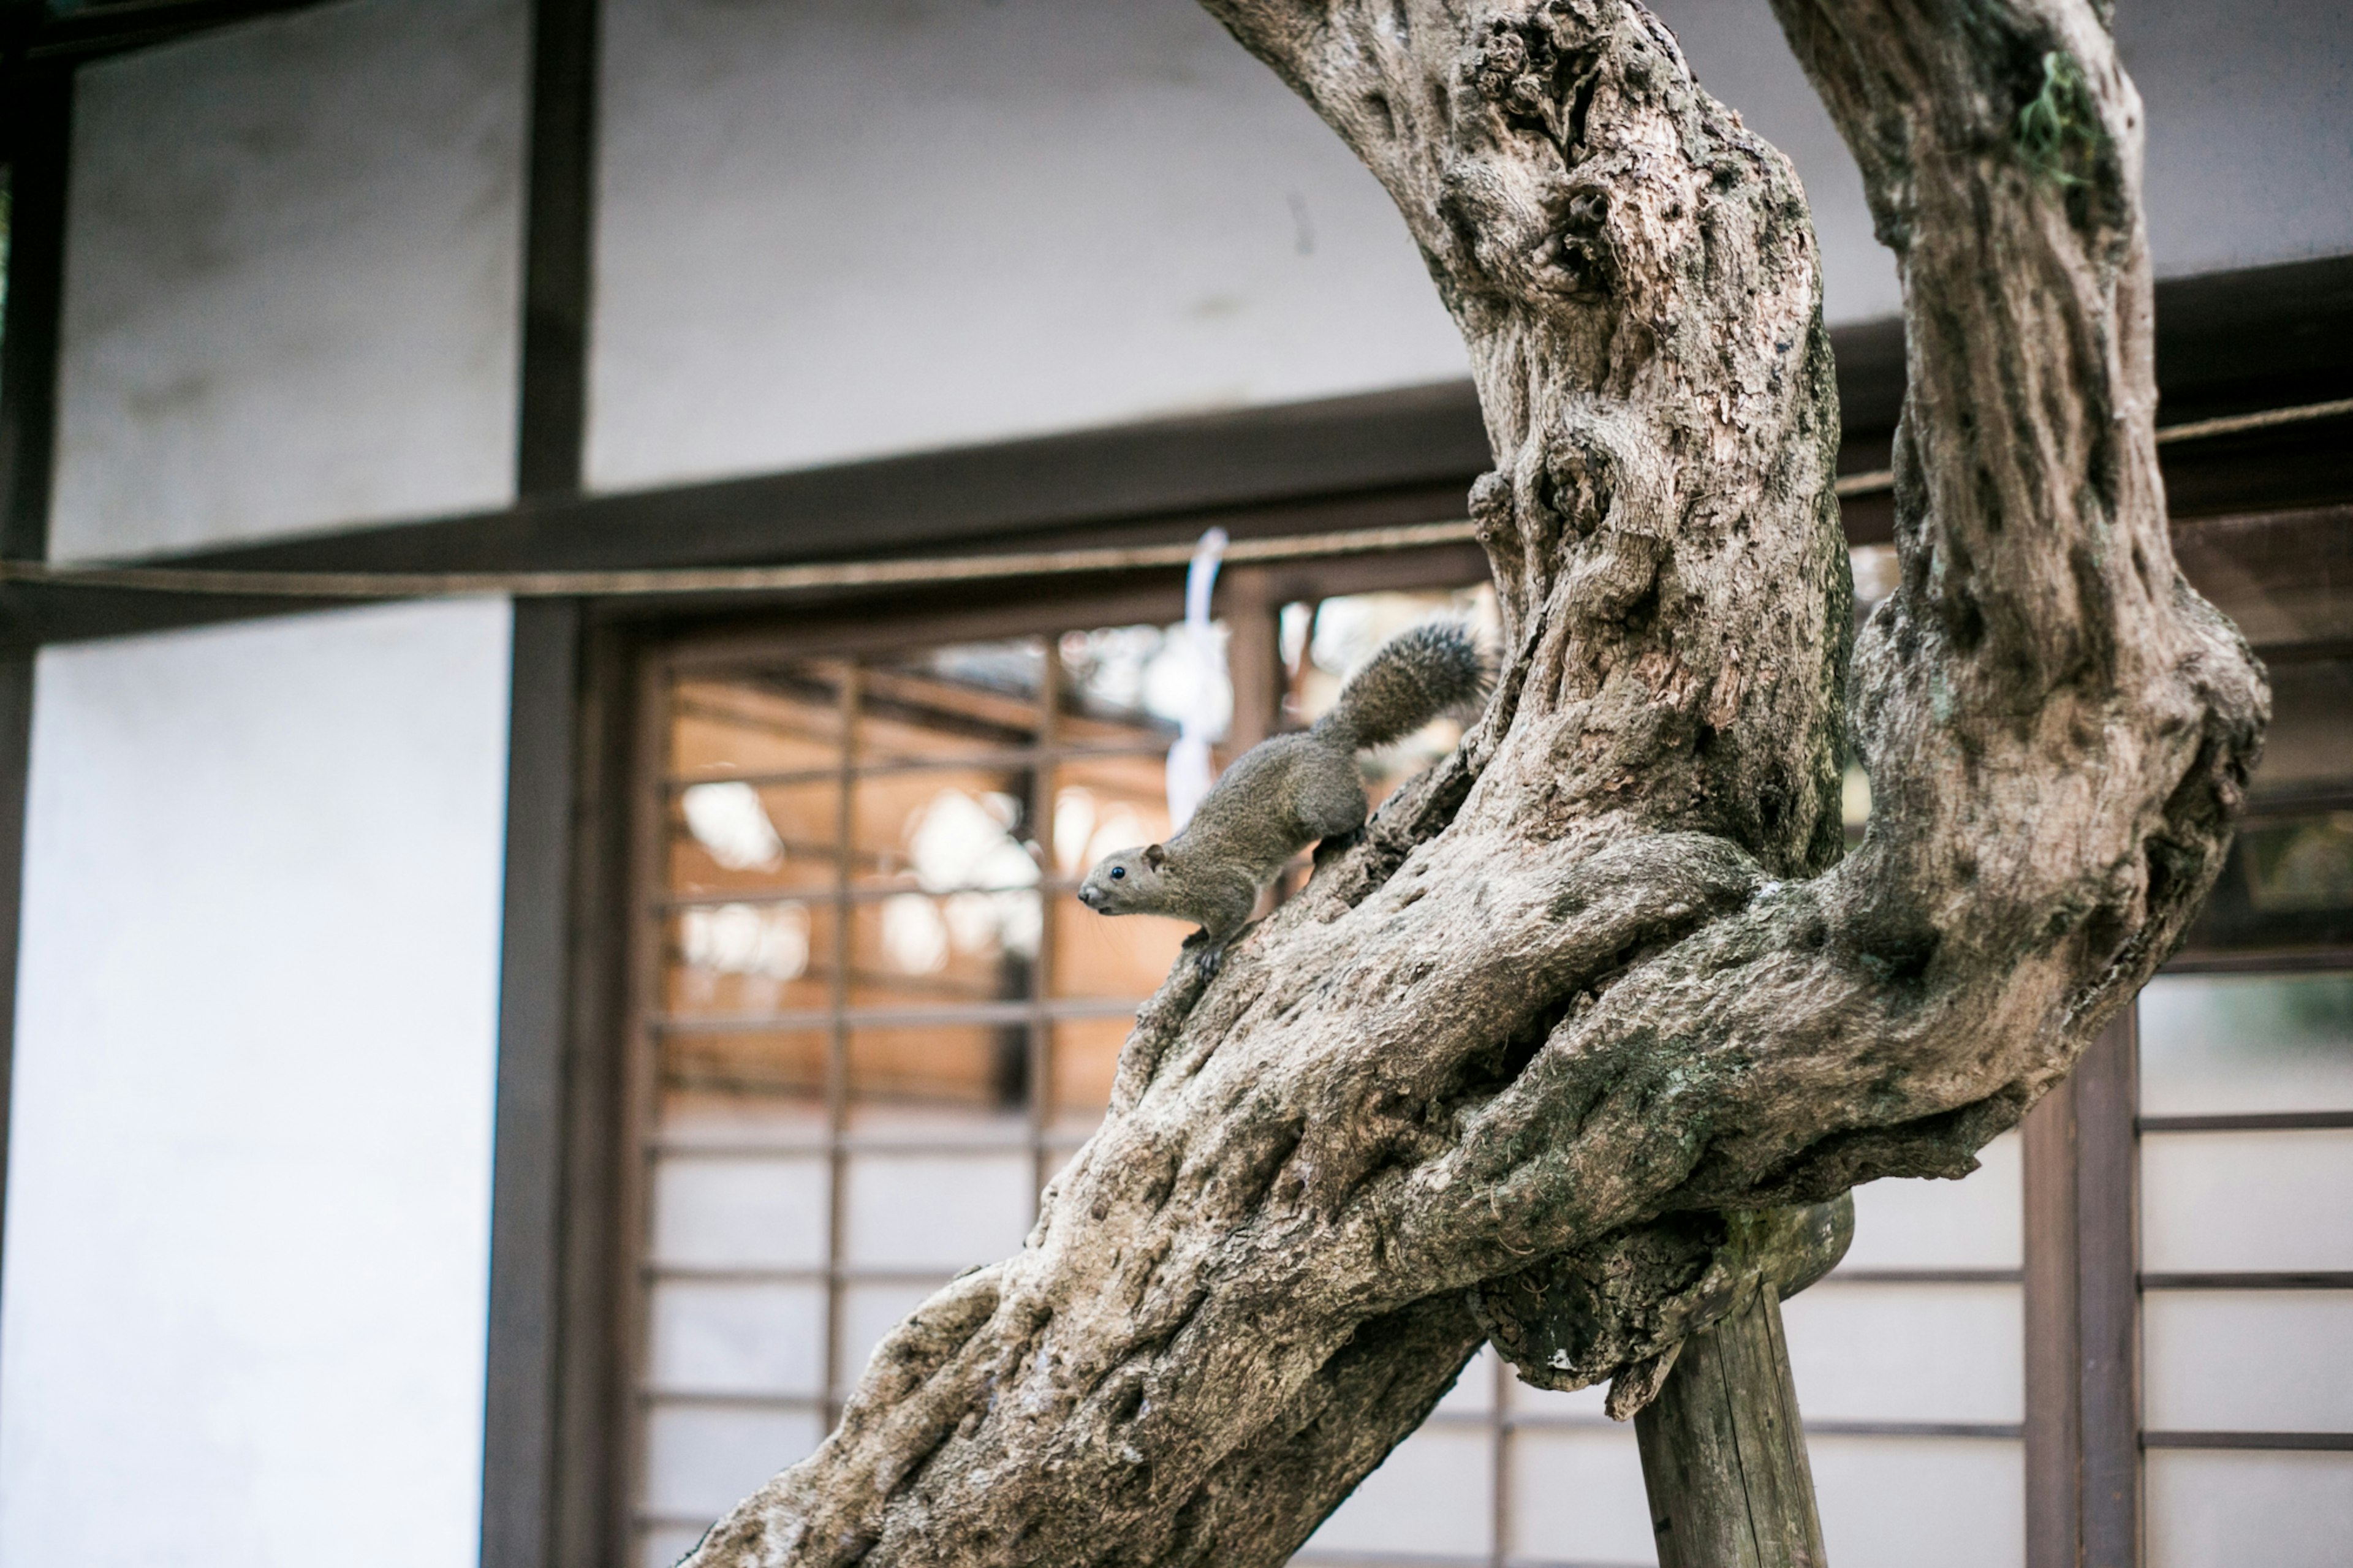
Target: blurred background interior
[482,1073]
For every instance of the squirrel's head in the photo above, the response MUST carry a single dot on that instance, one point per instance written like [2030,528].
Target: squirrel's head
[1126,883]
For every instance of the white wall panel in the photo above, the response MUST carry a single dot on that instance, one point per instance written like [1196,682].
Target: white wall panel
[292,275]
[833,230]
[837,228]
[2247,158]
[249,1165]
[2210,1509]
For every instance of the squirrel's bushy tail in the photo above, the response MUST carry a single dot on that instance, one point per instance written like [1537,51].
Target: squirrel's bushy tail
[1414,678]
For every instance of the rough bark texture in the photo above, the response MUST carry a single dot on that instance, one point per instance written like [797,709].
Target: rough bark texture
[1603,967]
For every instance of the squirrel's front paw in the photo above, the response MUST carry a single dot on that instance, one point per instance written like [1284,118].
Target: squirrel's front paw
[1207,952]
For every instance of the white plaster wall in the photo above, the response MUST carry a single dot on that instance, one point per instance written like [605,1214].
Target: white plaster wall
[839,227]
[242,1316]
[2250,158]
[291,275]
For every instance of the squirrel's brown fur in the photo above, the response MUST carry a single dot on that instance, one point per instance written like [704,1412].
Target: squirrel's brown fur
[1286,793]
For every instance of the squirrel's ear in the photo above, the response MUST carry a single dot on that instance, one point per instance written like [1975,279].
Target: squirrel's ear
[1153,855]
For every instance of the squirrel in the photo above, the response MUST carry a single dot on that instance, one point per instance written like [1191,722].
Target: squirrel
[1286,793]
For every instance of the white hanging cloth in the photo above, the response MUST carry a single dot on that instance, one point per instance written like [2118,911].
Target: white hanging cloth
[1189,773]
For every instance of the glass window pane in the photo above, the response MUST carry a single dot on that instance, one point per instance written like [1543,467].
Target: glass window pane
[701,1109]
[962,700]
[937,830]
[2288,879]
[786,721]
[1123,684]
[1926,1224]
[2248,1361]
[729,1337]
[935,1211]
[943,1079]
[2215,1044]
[744,1069]
[2211,1508]
[704,1459]
[1106,804]
[917,950]
[1577,1497]
[713,1211]
[1907,1352]
[2223,1201]
[870,1311]
[1120,958]
[739,958]
[1921,1502]
[1434,1495]
[1086,1060]
[738,837]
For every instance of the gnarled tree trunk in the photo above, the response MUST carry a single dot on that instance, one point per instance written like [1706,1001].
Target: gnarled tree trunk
[1602,976]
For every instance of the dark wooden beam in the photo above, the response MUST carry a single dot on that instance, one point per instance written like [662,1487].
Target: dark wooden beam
[559,250]
[36,124]
[540,1329]
[1400,456]
[35,118]
[95,28]
[521,1400]
[15,762]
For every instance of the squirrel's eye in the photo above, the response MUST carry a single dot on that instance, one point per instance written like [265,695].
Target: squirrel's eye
[1117,872]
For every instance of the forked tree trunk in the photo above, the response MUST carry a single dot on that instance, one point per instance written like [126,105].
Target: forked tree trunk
[1601,977]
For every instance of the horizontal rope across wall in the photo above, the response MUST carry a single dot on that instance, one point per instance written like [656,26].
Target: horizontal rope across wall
[912,572]
[1879,481]
[694,581]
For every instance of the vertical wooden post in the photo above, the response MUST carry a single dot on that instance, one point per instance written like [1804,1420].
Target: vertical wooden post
[1253,655]
[1723,1454]
[2082,1438]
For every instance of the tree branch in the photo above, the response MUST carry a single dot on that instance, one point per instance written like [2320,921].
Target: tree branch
[1604,968]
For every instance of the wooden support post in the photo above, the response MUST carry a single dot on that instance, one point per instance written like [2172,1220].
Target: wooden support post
[2082,1423]
[1253,655]
[1724,1456]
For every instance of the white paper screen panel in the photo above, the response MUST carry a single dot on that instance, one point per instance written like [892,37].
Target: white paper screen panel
[1921,1502]
[2213,1509]
[2248,1361]
[1907,1352]
[1430,1496]
[1973,1223]
[738,1337]
[703,1460]
[740,1210]
[2232,1201]
[943,1212]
